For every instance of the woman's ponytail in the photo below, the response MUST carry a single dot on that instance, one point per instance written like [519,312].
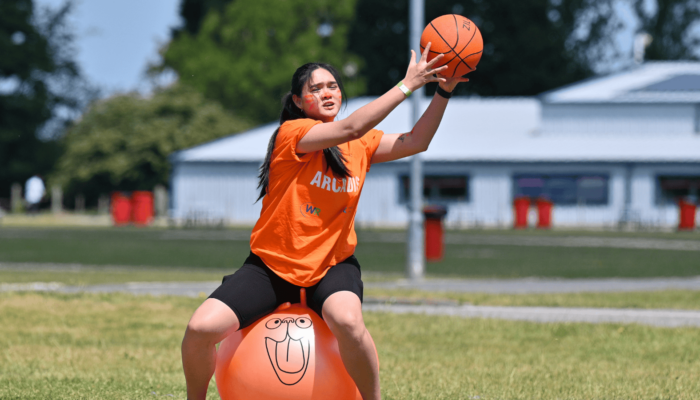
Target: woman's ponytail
[333,156]
[289,112]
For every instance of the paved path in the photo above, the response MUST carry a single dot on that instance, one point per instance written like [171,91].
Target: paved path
[544,241]
[188,289]
[575,241]
[664,318]
[505,286]
[542,285]
[475,239]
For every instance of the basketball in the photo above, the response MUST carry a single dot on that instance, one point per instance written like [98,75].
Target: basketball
[458,39]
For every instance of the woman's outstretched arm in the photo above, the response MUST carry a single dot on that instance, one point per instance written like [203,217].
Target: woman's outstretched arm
[331,134]
[396,146]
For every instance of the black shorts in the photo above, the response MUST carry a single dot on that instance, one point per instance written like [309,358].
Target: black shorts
[255,291]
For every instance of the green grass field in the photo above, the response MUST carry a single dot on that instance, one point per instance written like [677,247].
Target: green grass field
[124,347]
[160,248]
[117,346]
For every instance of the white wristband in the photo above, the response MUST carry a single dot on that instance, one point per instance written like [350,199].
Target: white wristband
[404,89]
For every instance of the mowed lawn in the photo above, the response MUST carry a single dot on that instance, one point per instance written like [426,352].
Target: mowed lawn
[125,347]
[216,250]
[117,346]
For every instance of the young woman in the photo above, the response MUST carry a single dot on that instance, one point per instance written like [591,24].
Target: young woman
[310,185]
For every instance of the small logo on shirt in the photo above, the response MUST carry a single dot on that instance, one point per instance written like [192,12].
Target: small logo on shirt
[308,209]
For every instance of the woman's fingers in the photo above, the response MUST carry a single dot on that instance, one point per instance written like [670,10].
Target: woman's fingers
[436,78]
[421,72]
[424,56]
[436,59]
[437,70]
[461,79]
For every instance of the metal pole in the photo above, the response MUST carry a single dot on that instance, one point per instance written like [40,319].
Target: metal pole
[415,266]
[626,217]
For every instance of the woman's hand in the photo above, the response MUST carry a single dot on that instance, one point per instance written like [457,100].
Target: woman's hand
[449,84]
[421,72]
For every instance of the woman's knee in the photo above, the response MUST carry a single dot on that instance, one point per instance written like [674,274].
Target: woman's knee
[200,329]
[345,320]
[347,325]
[212,322]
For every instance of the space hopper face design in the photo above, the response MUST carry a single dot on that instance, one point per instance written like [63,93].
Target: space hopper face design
[289,347]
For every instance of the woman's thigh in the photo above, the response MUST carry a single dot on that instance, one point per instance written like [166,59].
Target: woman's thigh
[343,277]
[251,293]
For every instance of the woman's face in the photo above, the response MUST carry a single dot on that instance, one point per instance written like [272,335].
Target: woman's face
[320,97]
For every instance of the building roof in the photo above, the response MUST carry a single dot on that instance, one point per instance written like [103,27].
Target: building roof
[651,82]
[479,130]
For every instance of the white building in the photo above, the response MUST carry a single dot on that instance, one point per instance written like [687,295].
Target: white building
[617,148]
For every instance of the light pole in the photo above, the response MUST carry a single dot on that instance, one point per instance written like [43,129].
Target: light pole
[415,261]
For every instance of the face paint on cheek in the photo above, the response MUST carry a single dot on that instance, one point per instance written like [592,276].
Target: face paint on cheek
[337,93]
[310,101]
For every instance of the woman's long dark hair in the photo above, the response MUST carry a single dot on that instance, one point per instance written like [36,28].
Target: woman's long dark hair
[334,157]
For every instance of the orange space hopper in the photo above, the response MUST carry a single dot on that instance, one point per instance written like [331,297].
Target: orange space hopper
[290,354]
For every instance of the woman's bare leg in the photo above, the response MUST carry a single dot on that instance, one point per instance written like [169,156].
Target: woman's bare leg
[342,311]
[209,325]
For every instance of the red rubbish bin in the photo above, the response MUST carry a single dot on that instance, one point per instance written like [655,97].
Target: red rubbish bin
[142,207]
[521,205]
[544,213]
[121,208]
[434,245]
[687,215]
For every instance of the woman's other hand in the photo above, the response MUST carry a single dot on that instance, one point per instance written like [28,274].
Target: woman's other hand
[421,72]
[449,84]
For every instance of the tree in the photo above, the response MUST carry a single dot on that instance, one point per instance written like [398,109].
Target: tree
[243,53]
[530,46]
[193,13]
[673,27]
[123,142]
[40,88]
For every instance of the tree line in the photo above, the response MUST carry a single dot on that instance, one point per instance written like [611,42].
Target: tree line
[234,60]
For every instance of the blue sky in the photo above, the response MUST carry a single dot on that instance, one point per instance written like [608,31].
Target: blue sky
[117,39]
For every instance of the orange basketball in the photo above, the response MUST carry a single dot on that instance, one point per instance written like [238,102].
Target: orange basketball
[458,39]
[290,354]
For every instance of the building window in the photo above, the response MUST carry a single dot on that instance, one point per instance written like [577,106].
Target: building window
[670,189]
[438,188]
[563,189]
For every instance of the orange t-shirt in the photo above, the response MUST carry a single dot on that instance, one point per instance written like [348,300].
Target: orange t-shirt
[307,221]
